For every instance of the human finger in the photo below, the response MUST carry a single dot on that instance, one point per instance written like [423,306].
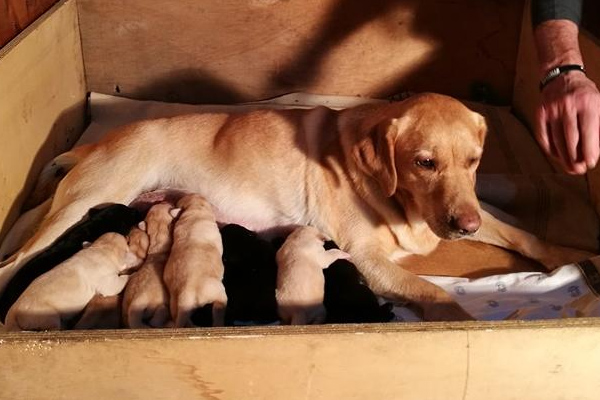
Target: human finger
[589,123]
[571,135]
[560,152]
[557,144]
[541,130]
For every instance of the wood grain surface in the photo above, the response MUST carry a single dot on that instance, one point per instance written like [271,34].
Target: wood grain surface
[225,51]
[16,15]
[42,103]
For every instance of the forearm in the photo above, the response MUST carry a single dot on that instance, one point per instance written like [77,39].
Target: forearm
[557,44]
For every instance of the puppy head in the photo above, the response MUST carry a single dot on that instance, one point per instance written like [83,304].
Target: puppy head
[116,245]
[307,242]
[424,152]
[158,226]
[110,240]
[193,201]
[138,242]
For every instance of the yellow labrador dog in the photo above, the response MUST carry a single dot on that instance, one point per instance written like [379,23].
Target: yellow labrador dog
[383,181]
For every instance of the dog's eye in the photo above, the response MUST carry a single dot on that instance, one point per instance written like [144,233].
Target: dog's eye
[426,163]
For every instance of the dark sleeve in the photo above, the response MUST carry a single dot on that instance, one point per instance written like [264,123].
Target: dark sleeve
[544,10]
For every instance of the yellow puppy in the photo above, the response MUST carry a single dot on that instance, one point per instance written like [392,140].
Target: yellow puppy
[104,312]
[300,280]
[194,272]
[59,295]
[146,301]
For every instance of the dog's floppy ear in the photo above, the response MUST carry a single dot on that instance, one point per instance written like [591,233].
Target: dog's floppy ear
[483,127]
[374,155]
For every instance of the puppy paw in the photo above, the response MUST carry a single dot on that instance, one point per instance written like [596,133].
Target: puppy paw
[193,307]
[302,314]
[25,320]
[142,315]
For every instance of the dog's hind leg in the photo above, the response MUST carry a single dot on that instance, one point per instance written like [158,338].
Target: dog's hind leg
[70,205]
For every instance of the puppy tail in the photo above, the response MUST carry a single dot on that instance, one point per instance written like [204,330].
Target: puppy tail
[23,229]
[53,173]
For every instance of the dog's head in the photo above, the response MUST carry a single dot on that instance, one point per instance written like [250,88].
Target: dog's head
[424,152]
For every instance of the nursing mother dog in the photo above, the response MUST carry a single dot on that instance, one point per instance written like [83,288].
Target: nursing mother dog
[383,181]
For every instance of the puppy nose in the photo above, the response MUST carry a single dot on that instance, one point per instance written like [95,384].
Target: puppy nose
[465,223]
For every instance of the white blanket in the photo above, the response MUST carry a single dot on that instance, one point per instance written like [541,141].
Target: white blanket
[564,293]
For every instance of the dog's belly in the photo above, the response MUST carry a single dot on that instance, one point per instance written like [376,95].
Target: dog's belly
[256,216]
[252,212]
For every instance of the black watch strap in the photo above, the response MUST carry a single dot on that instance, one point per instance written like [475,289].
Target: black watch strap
[561,69]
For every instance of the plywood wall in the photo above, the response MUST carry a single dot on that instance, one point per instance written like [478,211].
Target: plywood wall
[16,15]
[229,50]
[492,361]
[42,102]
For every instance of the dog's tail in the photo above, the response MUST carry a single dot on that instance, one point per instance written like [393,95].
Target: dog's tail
[23,229]
[53,173]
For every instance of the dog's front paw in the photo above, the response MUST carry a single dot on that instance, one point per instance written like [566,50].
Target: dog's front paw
[557,256]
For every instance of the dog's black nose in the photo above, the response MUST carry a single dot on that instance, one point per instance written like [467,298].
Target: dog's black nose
[465,223]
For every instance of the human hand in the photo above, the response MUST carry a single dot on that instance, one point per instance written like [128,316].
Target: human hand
[568,122]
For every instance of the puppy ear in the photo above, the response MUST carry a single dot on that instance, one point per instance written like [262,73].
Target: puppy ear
[374,155]
[322,236]
[142,226]
[175,212]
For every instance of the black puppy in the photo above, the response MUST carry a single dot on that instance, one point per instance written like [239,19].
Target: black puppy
[113,218]
[348,299]
[250,277]
[250,280]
